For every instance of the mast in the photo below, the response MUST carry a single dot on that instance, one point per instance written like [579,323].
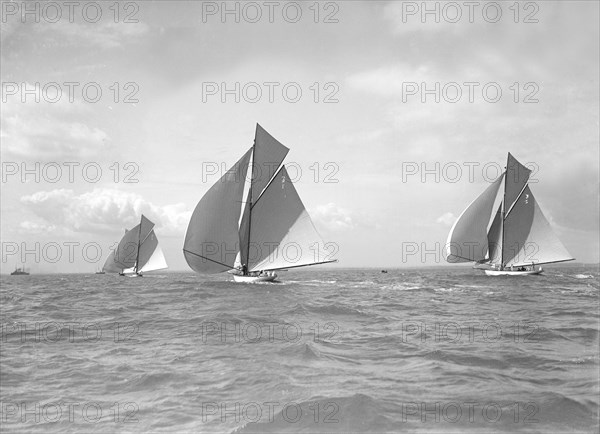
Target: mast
[137,257]
[250,206]
[502,234]
[503,217]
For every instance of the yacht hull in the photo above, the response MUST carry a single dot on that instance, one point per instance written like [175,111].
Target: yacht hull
[512,272]
[252,279]
[131,274]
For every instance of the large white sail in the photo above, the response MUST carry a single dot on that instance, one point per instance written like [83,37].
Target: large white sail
[495,238]
[468,238]
[156,262]
[135,249]
[245,231]
[126,252]
[528,237]
[150,255]
[282,233]
[110,266]
[519,234]
[266,159]
[274,232]
[212,239]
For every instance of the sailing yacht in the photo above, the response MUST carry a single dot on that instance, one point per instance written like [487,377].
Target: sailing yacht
[519,238]
[275,231]
[138,252]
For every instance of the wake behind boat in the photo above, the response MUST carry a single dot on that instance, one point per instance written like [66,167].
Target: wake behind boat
[138,252]
[275,231]
[519,238]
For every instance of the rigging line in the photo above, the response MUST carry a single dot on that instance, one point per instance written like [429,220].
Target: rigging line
[462,257]
[265,189]
[516,200]
[250,207]
[296,266]
[541,263]
[137,257]
[208,259]
[146,237]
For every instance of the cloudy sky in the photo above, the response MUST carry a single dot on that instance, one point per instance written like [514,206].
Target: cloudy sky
[382,167]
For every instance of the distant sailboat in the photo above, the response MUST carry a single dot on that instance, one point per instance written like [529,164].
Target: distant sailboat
[275,231]
[19,272]
[138,252]
[519,237]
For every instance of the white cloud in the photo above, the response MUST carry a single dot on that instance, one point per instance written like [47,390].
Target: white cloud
[447,218]
[337,219]
[397,80]
[332,217]
[409,17]
[49,131]
[104,35]
[104,210]
[387,81]
[29,227]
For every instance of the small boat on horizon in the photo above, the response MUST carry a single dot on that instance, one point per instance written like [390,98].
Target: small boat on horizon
[275,231]
[137,252]
[519,238]
[19,271]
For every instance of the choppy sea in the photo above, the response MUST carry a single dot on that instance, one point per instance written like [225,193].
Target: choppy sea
[324,350]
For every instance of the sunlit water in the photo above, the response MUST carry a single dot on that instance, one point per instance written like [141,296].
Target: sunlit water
[444,349]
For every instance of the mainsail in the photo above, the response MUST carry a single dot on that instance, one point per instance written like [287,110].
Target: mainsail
[126,252]
[275,231]
[495,237]
[110,266]
[468,238]
[138,251]
[519,234]
[212,240]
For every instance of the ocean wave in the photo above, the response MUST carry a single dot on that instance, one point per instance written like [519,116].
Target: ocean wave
[358,413]
[583,276]
[303,351]
[365,355]
[336,309]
